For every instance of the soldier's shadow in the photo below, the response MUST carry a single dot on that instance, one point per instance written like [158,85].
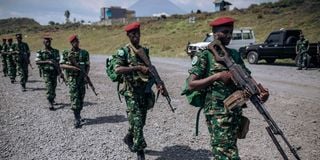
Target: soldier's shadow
[105,119]
[63,105]
[178,152]
[36,89]
[34,81]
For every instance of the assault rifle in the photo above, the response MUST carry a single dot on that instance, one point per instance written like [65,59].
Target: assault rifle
[75,66]
[154,73]
[246,83]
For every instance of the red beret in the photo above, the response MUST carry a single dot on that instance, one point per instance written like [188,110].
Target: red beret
[132,26]
[73,37]
[221,21]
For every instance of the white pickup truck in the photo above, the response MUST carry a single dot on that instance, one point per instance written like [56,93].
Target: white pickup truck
[240,37]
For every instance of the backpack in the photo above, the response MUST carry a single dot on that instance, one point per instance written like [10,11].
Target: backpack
[196,98]
[111,63]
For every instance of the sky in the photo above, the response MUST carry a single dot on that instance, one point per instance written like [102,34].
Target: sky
[44,11]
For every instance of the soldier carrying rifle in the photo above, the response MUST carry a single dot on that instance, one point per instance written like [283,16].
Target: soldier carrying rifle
[3,50]
[11,60]
[76,63]
[48,61]
[23,60]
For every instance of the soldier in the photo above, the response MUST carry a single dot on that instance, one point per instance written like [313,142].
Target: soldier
[302,48]
[11,61]
[48,61]
[137,88]
[4,56]
[215,78]
[76,64]
[23,59]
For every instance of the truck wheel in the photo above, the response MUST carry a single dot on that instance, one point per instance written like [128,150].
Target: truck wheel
[270,60]
[252,57]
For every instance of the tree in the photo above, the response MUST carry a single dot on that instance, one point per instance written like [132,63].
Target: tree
[51,23]
[82,21]
[198,11]
[67,15]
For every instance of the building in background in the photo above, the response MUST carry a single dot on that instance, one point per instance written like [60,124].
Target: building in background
[113,13]
[221,5]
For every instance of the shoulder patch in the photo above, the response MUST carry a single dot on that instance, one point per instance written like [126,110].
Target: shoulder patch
[120,52]
[194,60]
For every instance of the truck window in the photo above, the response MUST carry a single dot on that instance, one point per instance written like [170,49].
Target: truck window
[247,36]
[274,38]
[209,38]
[236,36]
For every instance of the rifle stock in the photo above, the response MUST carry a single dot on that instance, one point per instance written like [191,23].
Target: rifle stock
[244,81]
[154,73]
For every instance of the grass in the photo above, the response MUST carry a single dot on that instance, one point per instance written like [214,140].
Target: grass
[169,37]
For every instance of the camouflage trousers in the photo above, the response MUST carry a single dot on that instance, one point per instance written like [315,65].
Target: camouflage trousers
[51,84]
[223,128]
[137,106]
[23,73]
[77,92]
[4,65]
[303,60]
[12,67]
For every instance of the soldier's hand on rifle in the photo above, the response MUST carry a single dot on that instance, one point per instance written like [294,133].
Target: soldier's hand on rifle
[225,77]
[162,90]
[264,93]
[143,69]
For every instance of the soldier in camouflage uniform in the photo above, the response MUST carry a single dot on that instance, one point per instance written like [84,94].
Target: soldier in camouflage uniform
[137,89]
[3,49]
[79,58]
[23,59]
[215,78]
[11,61]
[47,60]
[302,48]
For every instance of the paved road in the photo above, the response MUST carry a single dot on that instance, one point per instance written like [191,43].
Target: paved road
[28,130]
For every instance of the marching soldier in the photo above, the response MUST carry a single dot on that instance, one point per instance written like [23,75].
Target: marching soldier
[215,78]
[11,61]
[137,88]
[23,60]
[302,49]
[3,49]
[48,61]
[76,63]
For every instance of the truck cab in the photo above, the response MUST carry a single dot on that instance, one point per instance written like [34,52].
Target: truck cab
[278,45]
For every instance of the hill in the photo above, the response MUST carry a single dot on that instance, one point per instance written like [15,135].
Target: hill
[168,37]
[12,25]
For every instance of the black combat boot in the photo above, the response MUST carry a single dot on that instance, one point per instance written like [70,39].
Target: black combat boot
[23,87]
[140,155]
[128,140]
[12,80]
[51,108]
[77,119]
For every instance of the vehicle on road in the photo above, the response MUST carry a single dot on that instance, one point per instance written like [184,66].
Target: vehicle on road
[240,37]
[278,45]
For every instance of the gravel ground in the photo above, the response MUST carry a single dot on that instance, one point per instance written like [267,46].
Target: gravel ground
[28,130]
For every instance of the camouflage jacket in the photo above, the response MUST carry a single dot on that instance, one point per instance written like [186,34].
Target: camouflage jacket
[81,58]
[24,51]
[302,45]
[43,55]
[217,91]
[134,81]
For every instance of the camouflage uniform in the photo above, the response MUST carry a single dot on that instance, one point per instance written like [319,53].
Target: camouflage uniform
[22,61]
[223,125]
[4,48]
[49,71]
[302,47]
[138,95]
[11,61]
[76,79]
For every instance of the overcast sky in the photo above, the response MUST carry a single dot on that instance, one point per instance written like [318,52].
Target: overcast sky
[44,11]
